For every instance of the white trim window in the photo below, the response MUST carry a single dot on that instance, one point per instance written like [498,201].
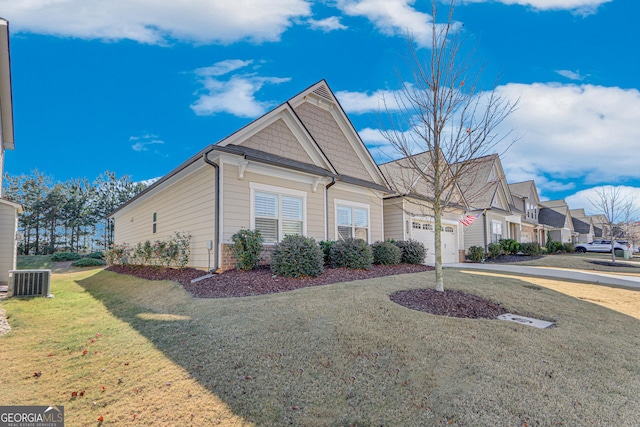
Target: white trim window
[496,231]
[277,214]
[352,221]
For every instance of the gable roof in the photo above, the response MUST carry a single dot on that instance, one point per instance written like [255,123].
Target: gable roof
[580,226]
[407,177]
[319,124]
[551,217]
[483,184]
[525,189]
[553,211]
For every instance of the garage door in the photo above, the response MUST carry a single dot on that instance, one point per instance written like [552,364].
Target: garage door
[422,231]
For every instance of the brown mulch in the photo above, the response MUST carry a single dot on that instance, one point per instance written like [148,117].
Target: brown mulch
[612,264]
[448,303]
[236,283]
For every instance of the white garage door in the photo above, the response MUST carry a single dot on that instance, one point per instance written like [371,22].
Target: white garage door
[422,231]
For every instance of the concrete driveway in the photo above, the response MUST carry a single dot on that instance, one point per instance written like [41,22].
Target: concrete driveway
[604,278]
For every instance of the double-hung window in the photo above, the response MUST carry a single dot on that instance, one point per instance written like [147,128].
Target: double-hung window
[496,231]
[277,215]
[352,221]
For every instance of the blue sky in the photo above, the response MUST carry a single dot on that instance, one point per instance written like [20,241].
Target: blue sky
[138,86]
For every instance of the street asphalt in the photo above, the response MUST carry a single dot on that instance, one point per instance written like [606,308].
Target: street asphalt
[604,278]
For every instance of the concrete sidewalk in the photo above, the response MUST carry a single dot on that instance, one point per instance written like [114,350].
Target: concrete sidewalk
[604,278]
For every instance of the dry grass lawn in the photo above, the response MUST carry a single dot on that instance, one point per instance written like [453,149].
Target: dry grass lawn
[334,355]
[582,262]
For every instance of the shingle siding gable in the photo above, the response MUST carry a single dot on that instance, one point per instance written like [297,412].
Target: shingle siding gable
[332,141]
[278,139]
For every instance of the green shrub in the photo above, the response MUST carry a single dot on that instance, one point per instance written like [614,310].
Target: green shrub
[495,250]
[326,245]
[413,252]
[476,253]
[351,253]
[118,255]
[569,247]
[65,256]
[531,248]
[88,262]
[247,245]
[509,246]
[96,255]
[386,253]
[297,256]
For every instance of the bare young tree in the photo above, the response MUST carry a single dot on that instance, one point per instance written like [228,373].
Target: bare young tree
[441,120]
[611,202]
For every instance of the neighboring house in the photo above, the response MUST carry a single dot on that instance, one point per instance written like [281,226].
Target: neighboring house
[407,214]
[8,209]
[583,225]
[299,169]
[601,226]
[556,214]
[526,200]
[486,191]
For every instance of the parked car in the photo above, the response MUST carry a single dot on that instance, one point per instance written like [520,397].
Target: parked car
[602,246]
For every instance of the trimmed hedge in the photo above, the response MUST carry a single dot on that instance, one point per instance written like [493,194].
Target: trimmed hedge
[509,246]
[386,253]
[247,245]
[413,252]
[495,250]
[476,253]
[297,256]
[531,248]
[88,262]
[96,255]
[351,253]
[65,256]
[326,245]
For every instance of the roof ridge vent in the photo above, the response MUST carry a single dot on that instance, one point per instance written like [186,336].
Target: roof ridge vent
[323,92]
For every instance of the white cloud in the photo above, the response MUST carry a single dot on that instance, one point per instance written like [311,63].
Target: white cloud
[157,21]
[571,75]
[143,142]
[236,95]
[328,24]
[571,132]
[394,17]
[223,67]
[368,102]
[586,199]
[580,7]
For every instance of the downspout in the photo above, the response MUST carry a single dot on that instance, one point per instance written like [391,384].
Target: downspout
[216,240]
[326,207]
[484,224]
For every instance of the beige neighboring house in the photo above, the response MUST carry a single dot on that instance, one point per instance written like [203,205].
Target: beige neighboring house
[526,200]
[486,191]
[407,214]
[299,169]
[600,226]
[582,225]
[8,210]
[556,215]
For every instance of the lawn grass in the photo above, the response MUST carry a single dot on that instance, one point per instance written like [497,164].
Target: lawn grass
[333,355]
[34,262]
[582,262]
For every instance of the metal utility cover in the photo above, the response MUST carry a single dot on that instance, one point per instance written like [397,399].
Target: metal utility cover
[536,323]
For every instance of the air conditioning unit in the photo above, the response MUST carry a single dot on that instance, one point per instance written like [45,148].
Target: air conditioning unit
[29,283]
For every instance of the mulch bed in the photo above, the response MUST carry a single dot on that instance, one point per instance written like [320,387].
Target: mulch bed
[235,283]
[612,264]
[448,303]
[505,259]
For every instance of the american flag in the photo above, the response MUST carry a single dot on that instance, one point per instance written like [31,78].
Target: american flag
[468,220]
